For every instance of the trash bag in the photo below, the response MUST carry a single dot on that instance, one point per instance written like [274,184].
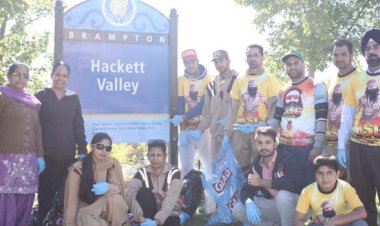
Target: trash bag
[191,192]
[224,186]
[55,214]
[33,220]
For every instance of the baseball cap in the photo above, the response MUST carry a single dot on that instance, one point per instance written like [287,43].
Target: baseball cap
[219,54]
[189,54]
[292,53]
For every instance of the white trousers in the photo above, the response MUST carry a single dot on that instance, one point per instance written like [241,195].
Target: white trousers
[187,155]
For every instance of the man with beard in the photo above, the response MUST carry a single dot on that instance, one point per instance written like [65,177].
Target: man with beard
[217,99]
[191,90]
[337,88]
[303,123]
[364,134]
[239,125]
[274,183]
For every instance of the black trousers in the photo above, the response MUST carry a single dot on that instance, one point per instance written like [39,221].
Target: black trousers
[147,202]
[51,180]
[365,176]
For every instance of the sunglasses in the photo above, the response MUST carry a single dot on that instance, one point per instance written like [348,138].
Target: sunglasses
[102,147]
[19,75]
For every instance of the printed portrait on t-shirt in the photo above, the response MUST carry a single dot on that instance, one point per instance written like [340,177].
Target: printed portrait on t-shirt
[335,107]
[251,100]
[370,103]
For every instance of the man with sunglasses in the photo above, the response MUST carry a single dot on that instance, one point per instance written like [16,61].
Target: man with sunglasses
[154,190]
[301,114]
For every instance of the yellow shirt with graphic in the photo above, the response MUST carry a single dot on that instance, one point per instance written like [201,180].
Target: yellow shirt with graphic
[363,93]
[337,89]
[253,93]
[186,87]
[342,200]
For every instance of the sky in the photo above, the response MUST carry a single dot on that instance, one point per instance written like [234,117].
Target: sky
[209,25]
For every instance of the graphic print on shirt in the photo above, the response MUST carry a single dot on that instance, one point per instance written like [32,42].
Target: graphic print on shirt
[298,120]
[364,95]
[335,112]
[251,99]
[369,104]
[328,212]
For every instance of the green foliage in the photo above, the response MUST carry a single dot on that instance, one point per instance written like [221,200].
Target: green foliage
[23,40]
[311,26]
[131,156]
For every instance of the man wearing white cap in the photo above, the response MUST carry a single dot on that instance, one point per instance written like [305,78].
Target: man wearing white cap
[360,124]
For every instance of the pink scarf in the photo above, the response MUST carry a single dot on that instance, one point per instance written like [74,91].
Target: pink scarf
[21,96]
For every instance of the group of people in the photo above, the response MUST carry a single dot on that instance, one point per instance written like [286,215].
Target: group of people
[338,116]
[42,142]
[41,135]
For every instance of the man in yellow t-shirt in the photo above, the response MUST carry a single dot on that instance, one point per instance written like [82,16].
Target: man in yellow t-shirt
[337,88]
[360,124]
[191,92]
[332,201]
[253,101]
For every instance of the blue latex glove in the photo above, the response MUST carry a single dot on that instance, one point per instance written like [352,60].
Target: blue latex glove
[196,134]
[41,165]
[100,188]
[342,157]
[183,217]
[184,139]
[222,121]
[253,213]
[82,156]
[225,142]
[176,120]
[245,128]
[149,222]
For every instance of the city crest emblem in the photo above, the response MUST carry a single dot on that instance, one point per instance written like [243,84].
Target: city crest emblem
[119,12]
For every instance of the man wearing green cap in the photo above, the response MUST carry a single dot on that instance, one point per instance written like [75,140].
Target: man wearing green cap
[301,114]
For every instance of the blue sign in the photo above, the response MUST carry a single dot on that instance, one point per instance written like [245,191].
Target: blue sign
[118,51]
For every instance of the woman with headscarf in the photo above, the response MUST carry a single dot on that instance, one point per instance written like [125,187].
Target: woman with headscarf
[21,153]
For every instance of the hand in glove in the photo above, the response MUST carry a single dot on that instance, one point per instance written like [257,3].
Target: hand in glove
[100,188]
[253,213]
[245,128]
[342,157]
[41,165]
[149,222]
[184,139]
[82,156]
[222,121]
[196,134]
[176,120]
[225,142]
[183,217]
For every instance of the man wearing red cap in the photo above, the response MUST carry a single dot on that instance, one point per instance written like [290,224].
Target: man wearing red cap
[360,124]
[253,100]
[191,91]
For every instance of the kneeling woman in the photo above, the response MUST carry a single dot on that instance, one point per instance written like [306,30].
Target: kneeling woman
[154,190]
[95,189]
